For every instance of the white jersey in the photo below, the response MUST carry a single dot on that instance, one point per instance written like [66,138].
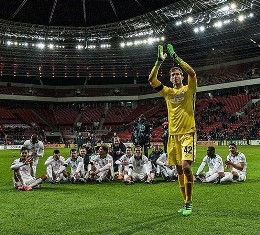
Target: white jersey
[239,158]
[139,165]
[35,150]
[124,160]
[76,165]
[103,163]
[162,163]
[22,172]
[56,165]
[215,164]
[162,160]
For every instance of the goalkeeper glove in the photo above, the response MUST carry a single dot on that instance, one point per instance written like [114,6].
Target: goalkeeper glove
[160,56]
[173,53]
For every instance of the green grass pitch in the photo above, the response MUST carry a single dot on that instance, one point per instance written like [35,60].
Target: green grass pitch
[115,208]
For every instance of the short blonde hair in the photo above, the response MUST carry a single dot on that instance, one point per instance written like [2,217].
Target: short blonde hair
[176,68]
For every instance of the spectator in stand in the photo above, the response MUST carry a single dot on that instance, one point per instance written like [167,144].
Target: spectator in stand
[23,178]
[3,136]
[118,150]
[36,150]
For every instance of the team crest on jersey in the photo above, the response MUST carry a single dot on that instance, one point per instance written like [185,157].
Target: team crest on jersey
[177,98]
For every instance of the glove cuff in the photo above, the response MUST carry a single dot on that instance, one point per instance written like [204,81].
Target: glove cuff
[177,58]
[158,63]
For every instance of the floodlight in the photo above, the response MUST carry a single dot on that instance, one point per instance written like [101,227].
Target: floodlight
[241,18]
[41,45]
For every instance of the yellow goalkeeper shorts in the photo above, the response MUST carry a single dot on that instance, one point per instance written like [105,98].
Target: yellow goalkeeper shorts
[181,147]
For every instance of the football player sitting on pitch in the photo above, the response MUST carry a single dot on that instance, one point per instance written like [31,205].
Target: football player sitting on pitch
[102,166]
[55,167]
[23,178]
[76,164]
[139,169]
[237,161]
[123,163]
[169,174]
[215,165]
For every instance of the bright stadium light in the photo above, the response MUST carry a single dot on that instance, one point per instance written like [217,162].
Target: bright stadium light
[226,21]
[137,42]
[9,43]
[91,46]
[202,28]
[178,23]
[218,24]
[190,19]
[79,47]
[225,8]
[241,18]
[199,29]
[233,6]
[105,45]
[149,41]
[51,46]
[41,45]
[196,30]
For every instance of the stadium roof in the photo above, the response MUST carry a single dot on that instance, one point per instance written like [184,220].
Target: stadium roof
[78,13]
[115,38]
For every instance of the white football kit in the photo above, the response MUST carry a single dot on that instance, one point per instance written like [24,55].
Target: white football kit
[164,169]
[123,164]
[104,166]
[215,165]
[138,168]
[237,159]
[22,173]
[55,168]
[76,165]
[35,151]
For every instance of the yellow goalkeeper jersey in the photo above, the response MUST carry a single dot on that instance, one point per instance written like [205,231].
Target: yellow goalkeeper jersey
[181,105]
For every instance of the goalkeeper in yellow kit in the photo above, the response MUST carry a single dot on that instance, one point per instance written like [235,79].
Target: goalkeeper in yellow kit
[180,101]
